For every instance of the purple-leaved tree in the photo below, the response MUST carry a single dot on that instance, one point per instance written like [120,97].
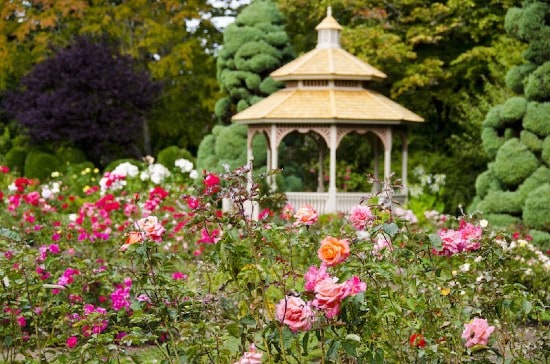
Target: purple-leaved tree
[89,95]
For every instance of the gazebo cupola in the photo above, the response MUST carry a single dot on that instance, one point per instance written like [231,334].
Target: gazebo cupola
[326,93]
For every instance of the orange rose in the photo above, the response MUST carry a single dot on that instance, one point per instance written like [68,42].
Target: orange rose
[133,238]
[333,251]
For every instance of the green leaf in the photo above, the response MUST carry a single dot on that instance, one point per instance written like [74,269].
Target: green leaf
[390,229]
[526,306]
[305,342]
[234,329]
[9,234]
[436,241]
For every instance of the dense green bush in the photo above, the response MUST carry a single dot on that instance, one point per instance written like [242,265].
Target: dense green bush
[516,75]
[491,142]
[169,155]
[536,213]
[40,164]
[536,118]
[513,110]
[531,141]
[112,165]
[15,159]
[546,150]
[514,162]
[537,86]
[70,155]
[502,202]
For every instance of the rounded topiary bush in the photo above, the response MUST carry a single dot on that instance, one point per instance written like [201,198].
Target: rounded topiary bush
[501,202]
[231,142]
[546,150]
[516,75]
[536,212]
[536,118]
[40,164]
[513,109]
[534,181]
[15,159]
[537,86]
[491,141]
[541,238]
[169,155]
[206,157]
[514,162]
[486,182]
[502,220]
[112,165]
[531,141]
[70,155]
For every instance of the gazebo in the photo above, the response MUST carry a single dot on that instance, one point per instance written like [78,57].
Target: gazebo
[326,92]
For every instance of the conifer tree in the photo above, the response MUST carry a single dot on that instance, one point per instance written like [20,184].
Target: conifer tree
[253,46]
[515,188]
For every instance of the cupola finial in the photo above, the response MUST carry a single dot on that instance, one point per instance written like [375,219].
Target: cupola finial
[329,10]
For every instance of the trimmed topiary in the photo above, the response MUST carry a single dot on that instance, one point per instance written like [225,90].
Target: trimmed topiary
[513,110]
[514,162]
[15,159]
[502,202]
[536,213]
[531,141]
[40,164]
[486,182]
[493,119]
[541,238]
[537,118]
[546,151]
[70,155]
[537,87]
[534,181]
[491,141]
[502,220]
[516,75]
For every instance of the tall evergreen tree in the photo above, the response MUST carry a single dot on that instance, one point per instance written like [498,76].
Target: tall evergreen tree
[515,188]
[253,46]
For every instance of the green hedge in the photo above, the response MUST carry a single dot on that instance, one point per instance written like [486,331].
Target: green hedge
[514,162]
[40,164]
[536,212]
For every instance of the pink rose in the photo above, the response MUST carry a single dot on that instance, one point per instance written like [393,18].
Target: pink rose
[305,215]
[295,313]
[477,332]
[250,357]
[72,342]
[354,286]
[151,227]
[360,216]
[314,276]
[328,296]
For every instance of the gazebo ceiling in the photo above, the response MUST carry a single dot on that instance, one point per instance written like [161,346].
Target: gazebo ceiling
[327,106]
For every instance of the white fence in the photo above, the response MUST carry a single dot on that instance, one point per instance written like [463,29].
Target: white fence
[318,200]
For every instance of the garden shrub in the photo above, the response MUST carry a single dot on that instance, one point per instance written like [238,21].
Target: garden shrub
[546,150]
[536,213]
[40,164]
[15,159]
[169,155]
[536,118]
[70,155]
[516,75]
[502,220]
[486,182]
[491,141]
[537,87]
[502,202]
[512,110]
[535,180]
[531,141]
[541,239]
[493,119]
[514,162]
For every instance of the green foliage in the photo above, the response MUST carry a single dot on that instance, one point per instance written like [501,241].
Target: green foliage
[486,182]
[70,155]
[536,118]
[15,159]
[512,110]
[502,220]
[536,213]
[546,150]
[531,141]
[514,162]
[40,164]
[254,45]
[168,156]
[541,238]
[505,202]
[538,178]
[109,167]
[537,86]
[515,77]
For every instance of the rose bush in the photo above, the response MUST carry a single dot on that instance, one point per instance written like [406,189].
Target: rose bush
[90,270]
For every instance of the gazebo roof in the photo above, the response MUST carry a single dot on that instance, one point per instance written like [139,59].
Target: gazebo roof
[326,86]
[327,106]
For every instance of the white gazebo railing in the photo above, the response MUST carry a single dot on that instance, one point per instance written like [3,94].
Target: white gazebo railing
[319,200]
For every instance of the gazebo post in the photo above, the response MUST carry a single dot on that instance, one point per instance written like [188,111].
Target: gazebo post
[376,186]
[251,208]
[387,154]
[331,202]
[404,163]
[274,144]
